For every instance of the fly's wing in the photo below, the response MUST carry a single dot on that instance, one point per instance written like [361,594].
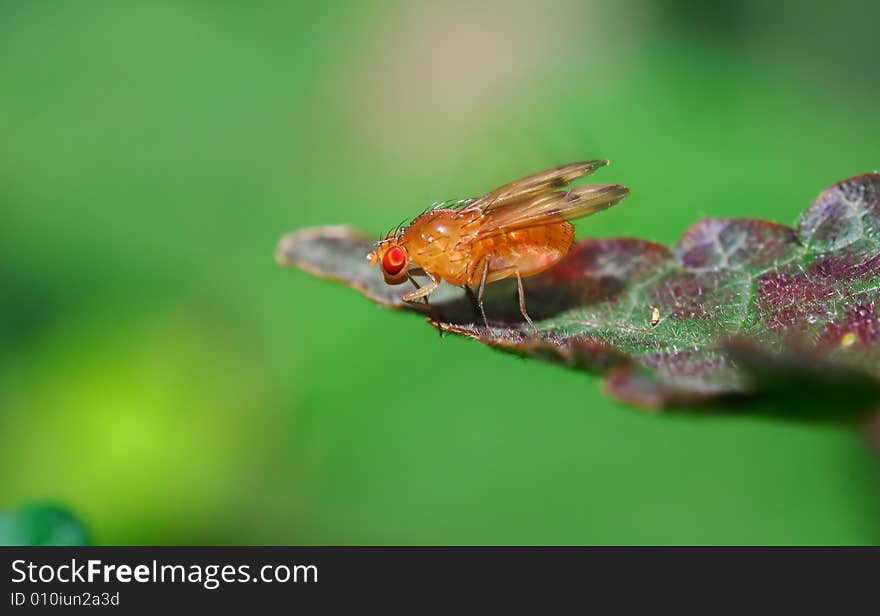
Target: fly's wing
[537,184]
[549,208]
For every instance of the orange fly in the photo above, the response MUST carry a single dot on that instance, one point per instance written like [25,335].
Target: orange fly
[517,230]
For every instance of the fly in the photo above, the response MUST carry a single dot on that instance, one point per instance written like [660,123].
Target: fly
[515,231]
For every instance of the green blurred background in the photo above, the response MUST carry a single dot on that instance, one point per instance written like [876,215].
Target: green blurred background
[162,378]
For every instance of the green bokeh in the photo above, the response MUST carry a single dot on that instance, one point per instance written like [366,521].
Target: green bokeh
[42,524]
[163,378]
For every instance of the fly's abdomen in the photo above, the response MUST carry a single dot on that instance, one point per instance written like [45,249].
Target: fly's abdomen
[530,251]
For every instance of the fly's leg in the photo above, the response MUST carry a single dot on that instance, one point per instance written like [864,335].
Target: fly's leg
[472,299]
[480,294]
[522,301]
[423,293]
[504,273]
[417,286]
[499,274]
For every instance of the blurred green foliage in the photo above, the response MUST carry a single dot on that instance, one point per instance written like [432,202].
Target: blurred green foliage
[161,376]
[42,524]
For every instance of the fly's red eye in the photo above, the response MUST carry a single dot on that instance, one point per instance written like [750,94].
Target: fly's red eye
[393,260]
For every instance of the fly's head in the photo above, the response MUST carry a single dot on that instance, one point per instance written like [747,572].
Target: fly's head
[392,259]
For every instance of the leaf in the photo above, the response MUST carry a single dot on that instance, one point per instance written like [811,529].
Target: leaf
[42,524]
[738,310]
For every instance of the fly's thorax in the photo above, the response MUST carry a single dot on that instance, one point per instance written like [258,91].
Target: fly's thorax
[438,241]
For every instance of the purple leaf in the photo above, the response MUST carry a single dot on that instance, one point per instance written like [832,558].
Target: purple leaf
[736,308]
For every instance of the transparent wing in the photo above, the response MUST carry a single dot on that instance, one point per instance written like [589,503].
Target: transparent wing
[549,208]
[537,184]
